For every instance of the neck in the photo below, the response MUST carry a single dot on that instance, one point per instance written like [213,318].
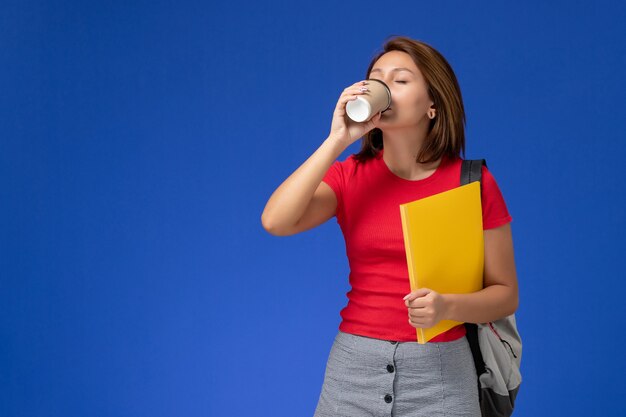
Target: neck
[401,149]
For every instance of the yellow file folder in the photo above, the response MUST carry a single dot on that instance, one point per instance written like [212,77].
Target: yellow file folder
[443,238]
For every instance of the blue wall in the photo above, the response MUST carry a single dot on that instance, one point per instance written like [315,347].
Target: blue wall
[140,141]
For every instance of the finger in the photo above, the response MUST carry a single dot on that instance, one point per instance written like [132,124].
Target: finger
[420,302]
[420,292]
[349,95]
[356,87]
[359,83]
[346,98]
[374,120]
[419,308]
[359,89]
[420,324]
[421,319]
[418,315]
[362,82]
[340,109]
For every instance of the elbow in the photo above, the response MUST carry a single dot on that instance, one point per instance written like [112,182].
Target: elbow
[267,224]
[508,302]
[513,304]
[270,226]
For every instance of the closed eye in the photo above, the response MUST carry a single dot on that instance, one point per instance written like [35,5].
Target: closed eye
[401,82]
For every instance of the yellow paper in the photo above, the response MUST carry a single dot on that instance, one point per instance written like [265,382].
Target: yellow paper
[443,238]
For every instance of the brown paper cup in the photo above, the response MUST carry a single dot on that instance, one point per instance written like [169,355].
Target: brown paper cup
[365,106]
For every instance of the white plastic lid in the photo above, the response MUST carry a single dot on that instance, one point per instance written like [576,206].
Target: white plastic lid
[359,109]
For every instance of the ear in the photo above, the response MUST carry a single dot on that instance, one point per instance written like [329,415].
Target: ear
[432,111]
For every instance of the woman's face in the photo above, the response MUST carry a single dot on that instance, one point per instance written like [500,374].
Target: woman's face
[409,93]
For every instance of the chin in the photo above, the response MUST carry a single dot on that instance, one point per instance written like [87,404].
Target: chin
[386,118]
[389,123]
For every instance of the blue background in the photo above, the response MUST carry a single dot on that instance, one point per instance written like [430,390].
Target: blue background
[141,140]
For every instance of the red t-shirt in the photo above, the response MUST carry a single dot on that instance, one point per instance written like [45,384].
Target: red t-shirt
[368,199]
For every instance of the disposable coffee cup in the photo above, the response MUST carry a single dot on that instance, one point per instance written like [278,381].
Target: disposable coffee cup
[365,106]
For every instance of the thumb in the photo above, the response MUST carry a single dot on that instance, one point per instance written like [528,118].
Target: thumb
[420,292]
[371,124]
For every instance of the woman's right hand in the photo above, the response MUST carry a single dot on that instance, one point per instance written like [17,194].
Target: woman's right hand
[344,129]
[304,200]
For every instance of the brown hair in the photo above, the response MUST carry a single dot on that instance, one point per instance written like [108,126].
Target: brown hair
[446,134]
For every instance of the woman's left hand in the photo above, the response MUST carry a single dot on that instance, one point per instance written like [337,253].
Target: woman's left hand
[426,307]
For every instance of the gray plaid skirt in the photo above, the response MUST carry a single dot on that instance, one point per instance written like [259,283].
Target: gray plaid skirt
[373,377]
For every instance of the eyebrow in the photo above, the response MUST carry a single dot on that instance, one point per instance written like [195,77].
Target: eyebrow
[395,69]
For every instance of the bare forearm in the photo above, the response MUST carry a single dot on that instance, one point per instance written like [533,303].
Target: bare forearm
[489,304]
[288,203]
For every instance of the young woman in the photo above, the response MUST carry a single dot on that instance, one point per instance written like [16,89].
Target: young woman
[375,366]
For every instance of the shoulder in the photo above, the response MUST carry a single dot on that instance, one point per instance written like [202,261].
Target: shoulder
[488,179]
[486,175]
[343,166]
[489,184]
[350,165]
[339,172]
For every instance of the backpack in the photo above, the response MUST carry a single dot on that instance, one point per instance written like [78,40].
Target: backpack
[496,346]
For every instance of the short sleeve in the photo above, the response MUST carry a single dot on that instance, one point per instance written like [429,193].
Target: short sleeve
[495,212]
[334,177]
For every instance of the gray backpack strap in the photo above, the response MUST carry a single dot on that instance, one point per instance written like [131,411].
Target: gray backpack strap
[471,170]
[496,346]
